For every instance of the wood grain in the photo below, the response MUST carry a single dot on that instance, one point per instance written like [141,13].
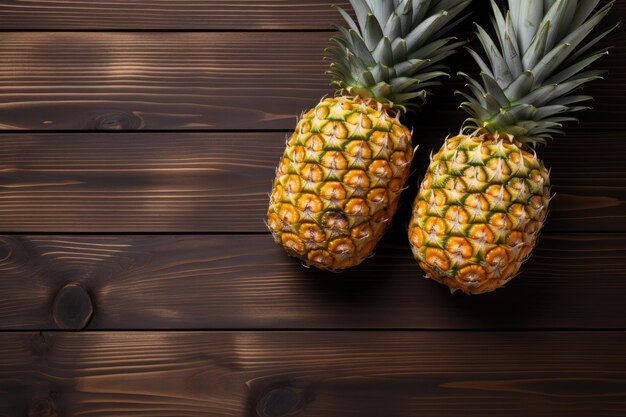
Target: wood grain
[246,282]
[200,81]
[185,14]
[159,80]
[313,374]
[169,14]
[219,182]
[366,344]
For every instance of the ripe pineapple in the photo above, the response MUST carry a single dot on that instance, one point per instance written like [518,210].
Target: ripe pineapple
[346,163]
[485,196]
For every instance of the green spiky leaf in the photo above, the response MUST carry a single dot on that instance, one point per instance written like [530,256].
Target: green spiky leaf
[392,51]
[539,59]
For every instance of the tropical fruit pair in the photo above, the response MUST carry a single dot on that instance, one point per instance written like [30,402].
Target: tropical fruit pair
[485,195]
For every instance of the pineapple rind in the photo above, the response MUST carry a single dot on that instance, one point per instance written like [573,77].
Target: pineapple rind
[478,212]
[339,182]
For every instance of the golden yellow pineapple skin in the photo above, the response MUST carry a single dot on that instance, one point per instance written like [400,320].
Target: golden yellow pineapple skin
[478,212]
[339,181]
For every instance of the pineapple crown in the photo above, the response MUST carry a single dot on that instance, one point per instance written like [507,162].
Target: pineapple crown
[393,50]
[538,64]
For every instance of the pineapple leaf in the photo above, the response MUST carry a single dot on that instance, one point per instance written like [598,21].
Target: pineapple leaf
[383,52]
[382,89]
[521,86]
[472,82]
[348,19]
[373,32]
[420,8]
[368,78]
[547,111]
[405,13]
[564,88]
[399,50]
[577,67]
[483,66]
[401,84]
[566,101]
[491,101]
[581,32]
[449,26]
[537,47]
[499,69]
[381,9]
[528,81]
[407,68]
[473,109]
[428,50]
[590,44]
[560,14]
[393,27]
[356,65]
[493,88]
[360,49]
[519,112]
[427,76]
[498,22]
[550,62]
[528,15]
[585,8]
[418,36]
[381,74]
[478,92]
[512,55]
[391,41]
[361,9]
[407,97]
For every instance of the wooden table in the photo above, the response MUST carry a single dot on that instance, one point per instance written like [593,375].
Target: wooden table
[138,145]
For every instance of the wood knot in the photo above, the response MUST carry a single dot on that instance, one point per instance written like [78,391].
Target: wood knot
[279,402]
[72,308]
[118,120]
[43,407]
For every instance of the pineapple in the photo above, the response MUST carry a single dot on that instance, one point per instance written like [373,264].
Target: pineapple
[485,196]
[346,163]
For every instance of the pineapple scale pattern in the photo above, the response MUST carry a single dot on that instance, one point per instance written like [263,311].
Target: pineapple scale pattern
[339,181]
[478,212]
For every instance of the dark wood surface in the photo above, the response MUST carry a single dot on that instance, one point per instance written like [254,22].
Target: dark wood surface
[237,15]
[313,374]
[219,182]
[138,141]
[204,81]
[169,14]
[104,80]
[246,282]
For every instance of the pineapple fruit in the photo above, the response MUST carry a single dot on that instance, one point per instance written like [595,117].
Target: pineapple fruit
[345,165]
[484,198]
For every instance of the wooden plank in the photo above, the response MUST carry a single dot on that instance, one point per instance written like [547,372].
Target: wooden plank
[129,81]
[184,14]
[218,182]
[169,14]
[246,282]
[159,80]
[313,374]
